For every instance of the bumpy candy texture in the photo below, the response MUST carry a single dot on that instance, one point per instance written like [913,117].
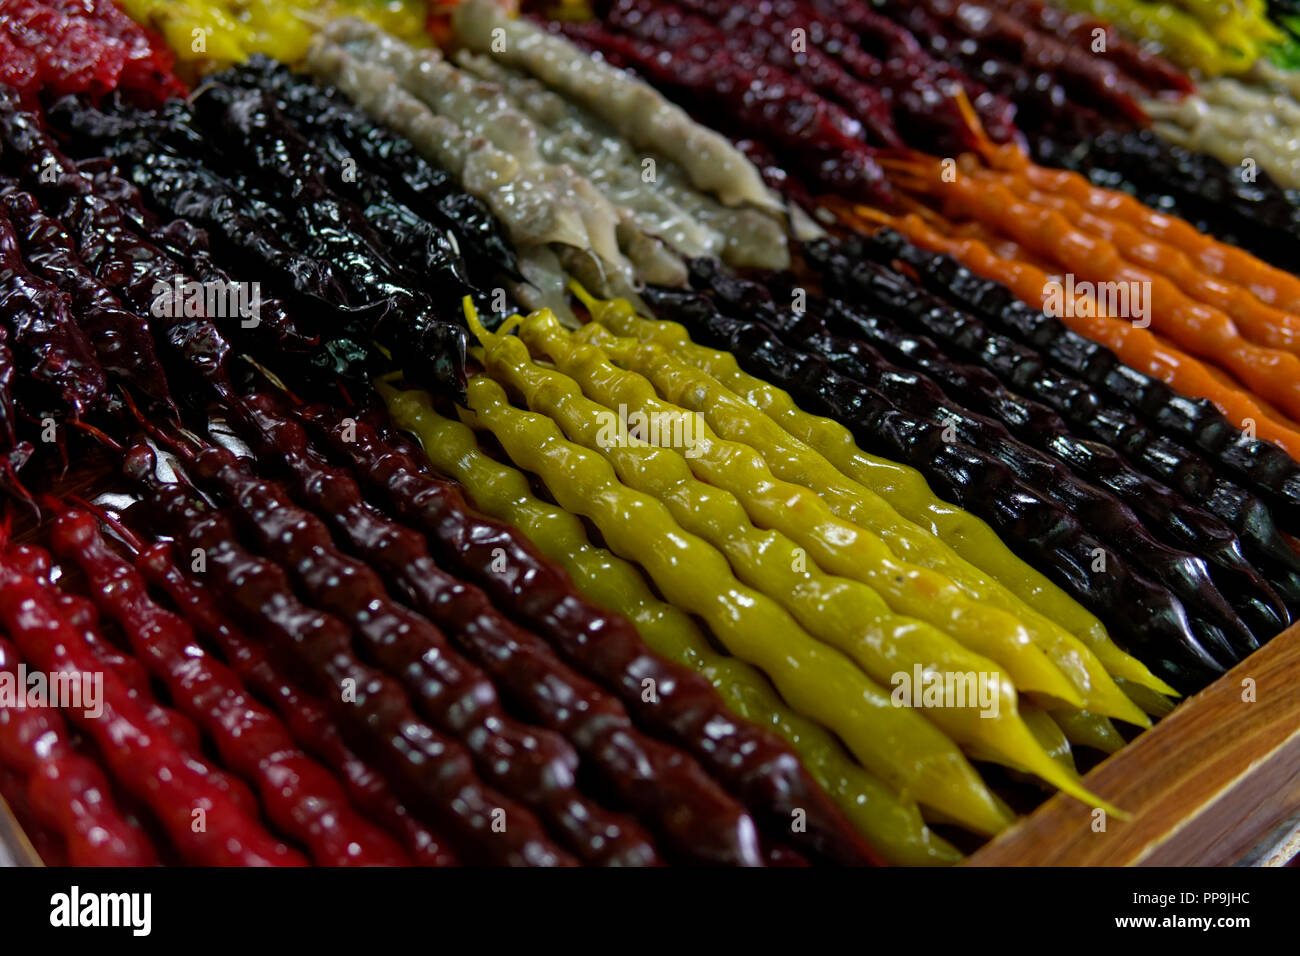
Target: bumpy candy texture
[82,46]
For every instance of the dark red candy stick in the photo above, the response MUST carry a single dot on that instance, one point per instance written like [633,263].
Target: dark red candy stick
[51,348]
[304,715]
[666,787]
[752,763]
[300,796]
[750,99]
[121,338]
[534,766]
[433,770]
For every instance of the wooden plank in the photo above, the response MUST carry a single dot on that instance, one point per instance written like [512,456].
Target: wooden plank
[1204,787]
[15,849]
[1281,848]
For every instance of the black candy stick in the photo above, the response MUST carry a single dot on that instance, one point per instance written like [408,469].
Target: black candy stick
[313,184]
[407,322]
[1038,530]
[1259,216]
[1164,511]
[429,191]
[404,319]
[1196,421]
[1185,575]
[250,233]
[848,335]
[315,243]
[1201,479]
